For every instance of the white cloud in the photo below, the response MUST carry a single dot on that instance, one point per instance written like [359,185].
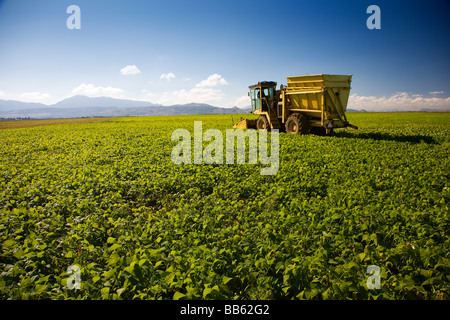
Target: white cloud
[242,102]
[400,101]
[436,92]
[198,95]
[168,76]
[130,70]
[33,96]
[148,94]
[201,93]
[212,81]
[92,91]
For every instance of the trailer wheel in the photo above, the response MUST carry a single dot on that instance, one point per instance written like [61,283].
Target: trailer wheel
[262,123]
[297,123]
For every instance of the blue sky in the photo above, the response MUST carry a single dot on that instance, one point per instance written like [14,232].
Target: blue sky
[211,51]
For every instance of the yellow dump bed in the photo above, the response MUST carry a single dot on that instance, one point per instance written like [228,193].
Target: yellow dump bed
[321,96]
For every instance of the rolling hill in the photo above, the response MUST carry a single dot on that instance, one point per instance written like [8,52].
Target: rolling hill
[82,106]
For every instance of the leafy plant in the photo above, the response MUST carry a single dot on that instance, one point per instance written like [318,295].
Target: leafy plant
[106,196]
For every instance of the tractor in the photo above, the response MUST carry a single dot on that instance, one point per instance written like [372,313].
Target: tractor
[311,103]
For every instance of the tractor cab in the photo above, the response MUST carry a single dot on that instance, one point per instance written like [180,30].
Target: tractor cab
[262,96]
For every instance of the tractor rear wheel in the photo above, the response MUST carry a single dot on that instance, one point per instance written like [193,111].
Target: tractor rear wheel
[297,123]
[262,123]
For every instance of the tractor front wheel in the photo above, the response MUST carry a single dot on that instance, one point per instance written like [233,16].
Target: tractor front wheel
[262,123]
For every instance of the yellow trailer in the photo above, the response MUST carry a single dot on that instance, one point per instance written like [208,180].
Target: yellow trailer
[315,103]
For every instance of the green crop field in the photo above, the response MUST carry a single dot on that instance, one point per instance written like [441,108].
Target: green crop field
[105,196]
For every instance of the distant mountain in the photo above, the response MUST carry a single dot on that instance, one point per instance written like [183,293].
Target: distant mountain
[82,106]
[6,105]
[83,101]
[354,110]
